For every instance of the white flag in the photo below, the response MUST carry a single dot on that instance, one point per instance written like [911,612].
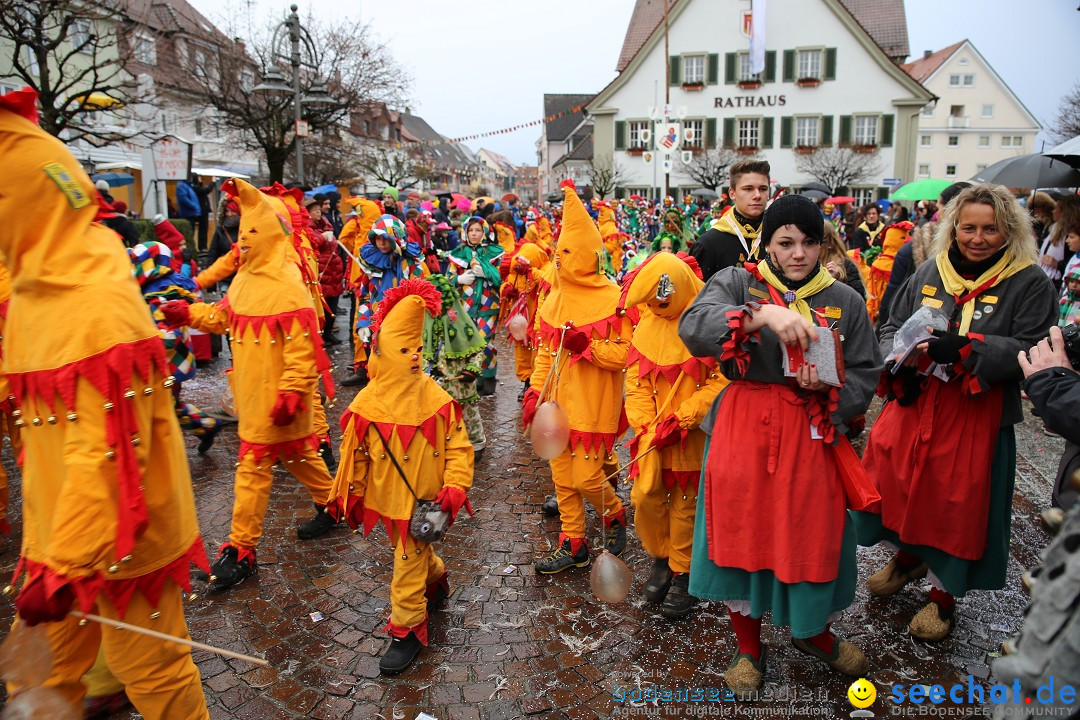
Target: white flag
[757,37]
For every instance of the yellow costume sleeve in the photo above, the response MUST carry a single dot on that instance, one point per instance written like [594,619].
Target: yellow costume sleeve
[459,457]
[611,352]
[541,367]
[351,478]
[298,355]
[691,411]
[223,267]
[640,403]
[209,318]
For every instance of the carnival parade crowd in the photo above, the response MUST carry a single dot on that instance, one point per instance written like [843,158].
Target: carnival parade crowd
[735,349]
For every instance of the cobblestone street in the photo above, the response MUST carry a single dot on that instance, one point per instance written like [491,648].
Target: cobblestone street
[509,643]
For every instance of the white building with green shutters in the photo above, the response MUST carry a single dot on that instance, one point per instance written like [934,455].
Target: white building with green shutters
[831,79]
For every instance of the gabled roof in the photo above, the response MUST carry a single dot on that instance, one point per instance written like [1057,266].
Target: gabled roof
[927,65]
[445,154]
[501,160]
[583,150]
[174,16]
[884,20]
[558,129]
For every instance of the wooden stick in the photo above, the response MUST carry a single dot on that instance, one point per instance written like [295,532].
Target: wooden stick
[119,625]
[640,455]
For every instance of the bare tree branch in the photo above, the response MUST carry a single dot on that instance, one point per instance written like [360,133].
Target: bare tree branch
[607,174]
[1067,123]
[402,168]
[710,168]
[839,166]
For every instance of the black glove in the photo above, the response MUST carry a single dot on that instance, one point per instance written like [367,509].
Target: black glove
[468,376]
[945,348]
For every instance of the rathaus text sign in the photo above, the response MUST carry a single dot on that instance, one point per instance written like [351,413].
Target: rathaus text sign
[749,101]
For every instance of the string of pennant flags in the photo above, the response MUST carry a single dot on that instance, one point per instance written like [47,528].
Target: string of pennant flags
[504,131]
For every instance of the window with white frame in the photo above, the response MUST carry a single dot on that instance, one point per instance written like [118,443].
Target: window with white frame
[697,130]
[1014,141]
[962,80]
[693,69]
[925,140]
[924,170]
[866,127]
[636,132]
[969,80]
[954,141]
[199,65]
[748,132]
[247,81]
[30,61]
[810,64]
[145,49]
[984,141]
[863,196]
[950,170]
[987,111]
[806,131]
[745,75]
[81,29]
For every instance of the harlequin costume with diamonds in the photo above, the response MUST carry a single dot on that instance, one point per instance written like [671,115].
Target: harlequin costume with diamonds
[481,296]
[423,430]
[277,360]
[580,314]
[354,235]
[668,392]
[109,520]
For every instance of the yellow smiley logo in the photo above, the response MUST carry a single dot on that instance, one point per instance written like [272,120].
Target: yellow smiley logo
[862,693]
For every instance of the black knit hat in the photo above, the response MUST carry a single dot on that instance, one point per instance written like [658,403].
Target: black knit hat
[796,210]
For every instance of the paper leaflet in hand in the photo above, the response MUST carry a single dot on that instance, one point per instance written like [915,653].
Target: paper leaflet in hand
[918,329]
[825,352]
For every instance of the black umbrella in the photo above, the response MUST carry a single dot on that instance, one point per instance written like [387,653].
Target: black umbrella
[816,187]
[705,193]
[1030,171]
[1068,152]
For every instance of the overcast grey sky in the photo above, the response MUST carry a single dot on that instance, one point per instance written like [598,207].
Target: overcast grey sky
[480,65]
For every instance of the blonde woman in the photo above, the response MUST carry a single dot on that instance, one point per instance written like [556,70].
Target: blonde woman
[836,261]
[943,453]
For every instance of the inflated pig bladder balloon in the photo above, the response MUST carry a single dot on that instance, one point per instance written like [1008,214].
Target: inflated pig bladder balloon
[25,658]
[40,703]
[550,430]
[518,327]
[610,578]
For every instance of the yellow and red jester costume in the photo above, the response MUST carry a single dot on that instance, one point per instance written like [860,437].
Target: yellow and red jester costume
[580,316]
[7,400]
[668,392]
[407,441]
[354,235]
[277,359]
[520,293]
[609,232]
[108,511]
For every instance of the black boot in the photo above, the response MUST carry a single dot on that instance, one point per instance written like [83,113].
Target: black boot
[321,524]
[615,538]
[551,507]
[327,453]
[228,569]
[359,377]
[656,587]
[561,559]
[679,602]
[477,455]
[485,386]
[206,439]
[521,395]
[400,654]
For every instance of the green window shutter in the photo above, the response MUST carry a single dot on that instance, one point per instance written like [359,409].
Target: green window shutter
[845,130]
[787,130]
[729,132]
[882,193]
[830,63]
[710,133]
[826,131]
[620,134]
[770,66]
[887,123]
[767,132]
[789,66]
[676,74]
[731,67]
[713,75]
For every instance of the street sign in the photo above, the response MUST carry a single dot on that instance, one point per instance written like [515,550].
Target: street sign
[892,182]
[172,159]
[303,129]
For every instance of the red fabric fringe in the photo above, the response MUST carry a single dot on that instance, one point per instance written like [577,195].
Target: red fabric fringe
[693,367]
[119,592]
[414,286]
[290,449]
[400,631]
[575,542]
[734,348]
[598,329]
[450,412]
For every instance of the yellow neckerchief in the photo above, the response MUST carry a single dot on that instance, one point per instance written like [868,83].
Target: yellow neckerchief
[821,281]
[727,223]
[964,291]
[873,233]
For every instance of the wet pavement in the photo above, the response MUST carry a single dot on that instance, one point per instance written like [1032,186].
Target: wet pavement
[511,644]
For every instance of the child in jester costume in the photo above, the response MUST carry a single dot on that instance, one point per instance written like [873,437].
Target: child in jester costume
[454,351]
[151,264]
[474,266]
[407,443]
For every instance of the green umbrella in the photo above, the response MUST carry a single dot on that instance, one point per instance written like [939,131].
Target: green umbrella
[925,189]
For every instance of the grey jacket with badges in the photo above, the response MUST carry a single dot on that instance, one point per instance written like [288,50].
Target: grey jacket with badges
[1011,316]
[704,328]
